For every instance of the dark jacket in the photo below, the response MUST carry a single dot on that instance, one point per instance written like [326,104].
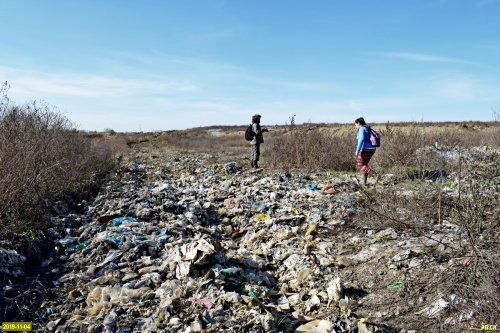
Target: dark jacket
[258,138]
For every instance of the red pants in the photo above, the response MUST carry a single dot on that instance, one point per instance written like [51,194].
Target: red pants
[363,158]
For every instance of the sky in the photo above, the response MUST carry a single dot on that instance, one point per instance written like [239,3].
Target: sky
[152,65]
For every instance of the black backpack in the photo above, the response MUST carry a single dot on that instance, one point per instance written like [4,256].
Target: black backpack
[249,134]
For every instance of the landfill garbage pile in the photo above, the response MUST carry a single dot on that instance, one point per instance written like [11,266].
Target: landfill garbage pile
[177,243]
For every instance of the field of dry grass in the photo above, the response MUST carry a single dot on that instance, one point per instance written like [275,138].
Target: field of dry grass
[331,146]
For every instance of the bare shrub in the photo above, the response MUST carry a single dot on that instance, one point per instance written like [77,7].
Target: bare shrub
[495,112]
[310,148]
[400,146]
[323,146]
[41,156]
[468,278]
[4,99]
[105,145]
[110,131]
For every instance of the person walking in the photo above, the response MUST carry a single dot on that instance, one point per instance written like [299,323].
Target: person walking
[364,150]
[257,140]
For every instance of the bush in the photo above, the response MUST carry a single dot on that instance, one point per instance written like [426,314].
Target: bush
[311,148]
[425,207]
[400,146]
[110,131]
[41,156]
[332,147]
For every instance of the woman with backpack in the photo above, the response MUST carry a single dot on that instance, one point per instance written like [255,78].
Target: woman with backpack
[364,150]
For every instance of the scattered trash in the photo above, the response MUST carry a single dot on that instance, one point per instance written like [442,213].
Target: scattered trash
[119,220]
[312,187]
[252,294]
[334,290]
[184,245]
[398,285]
[362,326]
[312,228]
[316,326]
[262,216]
[11,263]
[434,309]
[329,190]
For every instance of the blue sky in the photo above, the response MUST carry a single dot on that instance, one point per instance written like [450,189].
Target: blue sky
[159,65]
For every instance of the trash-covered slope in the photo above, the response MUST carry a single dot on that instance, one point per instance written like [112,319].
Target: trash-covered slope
[178,243]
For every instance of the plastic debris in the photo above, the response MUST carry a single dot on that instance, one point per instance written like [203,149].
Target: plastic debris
[312,187]
[316,326]
[329,190]
[398,285]
[312,228]
[183,244]
[119,220]
[11,263]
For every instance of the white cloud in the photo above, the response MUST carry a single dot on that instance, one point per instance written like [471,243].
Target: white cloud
[307,86]
[86,85]
[460,89]
[482,3]
[420,57]
[96,102]
[210,73]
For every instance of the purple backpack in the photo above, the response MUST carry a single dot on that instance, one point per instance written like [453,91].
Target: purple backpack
[374,138]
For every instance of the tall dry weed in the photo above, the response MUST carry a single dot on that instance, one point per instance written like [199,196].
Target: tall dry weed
[310,148]
[41,156]
[468,277]
[227,143]
[319,147]
[401,147]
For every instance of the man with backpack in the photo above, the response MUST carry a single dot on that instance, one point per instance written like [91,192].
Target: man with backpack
[256,138]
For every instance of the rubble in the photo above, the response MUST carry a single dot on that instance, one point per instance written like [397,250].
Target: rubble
[11,263]
[179,244]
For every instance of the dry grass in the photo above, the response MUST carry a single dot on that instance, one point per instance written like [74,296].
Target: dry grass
[323,146]
[472,282]
[399,151]
[310,148]
[41,157]
[225,142]
[332,147]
